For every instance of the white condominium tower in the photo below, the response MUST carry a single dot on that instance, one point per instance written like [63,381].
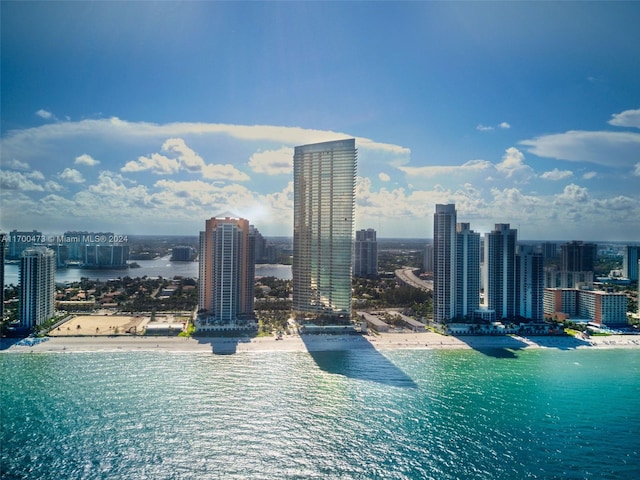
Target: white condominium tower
[444,262]
[324,176]
[37,286]
[467,271]
[500,270]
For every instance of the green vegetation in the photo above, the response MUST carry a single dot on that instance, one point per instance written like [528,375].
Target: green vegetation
[191,328]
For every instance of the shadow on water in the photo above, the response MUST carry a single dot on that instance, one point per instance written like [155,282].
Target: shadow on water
[353,356]
[506,346]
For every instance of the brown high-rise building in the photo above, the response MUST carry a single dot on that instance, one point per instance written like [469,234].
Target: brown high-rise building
[227,271]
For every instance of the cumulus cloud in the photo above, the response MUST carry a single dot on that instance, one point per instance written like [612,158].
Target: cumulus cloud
[573,193]
[17,181]
[513,166]
[504,125]
[628,118]
[483,128]
[185,159]
[36,175]
[272,162]
[556,174]
[636,169]
[71,175]
[602,148]
[383,177]
[17,165]
[87,160]
[589,175]
[156,163]
[44,114]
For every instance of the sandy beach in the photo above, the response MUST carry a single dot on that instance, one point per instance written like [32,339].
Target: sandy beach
[311,343]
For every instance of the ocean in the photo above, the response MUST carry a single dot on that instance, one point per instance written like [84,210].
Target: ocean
[365,414]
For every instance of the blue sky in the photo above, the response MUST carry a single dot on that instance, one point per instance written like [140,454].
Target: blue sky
[148,118]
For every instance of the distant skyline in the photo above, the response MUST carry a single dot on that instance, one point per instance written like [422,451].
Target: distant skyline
[150,117]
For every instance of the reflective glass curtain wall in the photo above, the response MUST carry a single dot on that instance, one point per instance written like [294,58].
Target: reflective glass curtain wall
[324,176]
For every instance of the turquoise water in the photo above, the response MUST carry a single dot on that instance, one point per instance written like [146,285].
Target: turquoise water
[543,414]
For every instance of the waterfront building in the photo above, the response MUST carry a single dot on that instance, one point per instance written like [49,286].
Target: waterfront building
[467,276]
[105,256]
[37,286]
[182,253]
[597,306]
[227,272]
[19,241]
[578,256]
[324,176]
[365,262]
[529,283]
[444,262]
[630,262]
[500,271]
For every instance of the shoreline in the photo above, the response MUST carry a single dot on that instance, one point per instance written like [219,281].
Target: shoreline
[315,343]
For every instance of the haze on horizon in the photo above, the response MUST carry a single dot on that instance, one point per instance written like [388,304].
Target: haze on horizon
[149,117]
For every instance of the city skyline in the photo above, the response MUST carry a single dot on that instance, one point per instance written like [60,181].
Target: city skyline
[524,113]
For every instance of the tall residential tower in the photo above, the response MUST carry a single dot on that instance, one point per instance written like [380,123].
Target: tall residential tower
[324,176]
[37,286]
[500,270]
[444,262]
[227,272]
[365,263]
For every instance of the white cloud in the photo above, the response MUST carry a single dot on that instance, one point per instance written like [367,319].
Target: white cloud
[71,175]
[504,125]
[52,186]
[437,170]
[158,164]
[17,181]
[513,166]
[35,175]
[383,177]
[87,160]
[17,165]
[636,169]
[628,118]
[483,128]
[186,159]
[603,148]
[556,174]
[114,127]
[223,172]
[273,162]
[573,194]
[589,175]
[44,114]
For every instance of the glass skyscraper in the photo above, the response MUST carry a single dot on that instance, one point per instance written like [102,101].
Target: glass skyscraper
[324,176]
